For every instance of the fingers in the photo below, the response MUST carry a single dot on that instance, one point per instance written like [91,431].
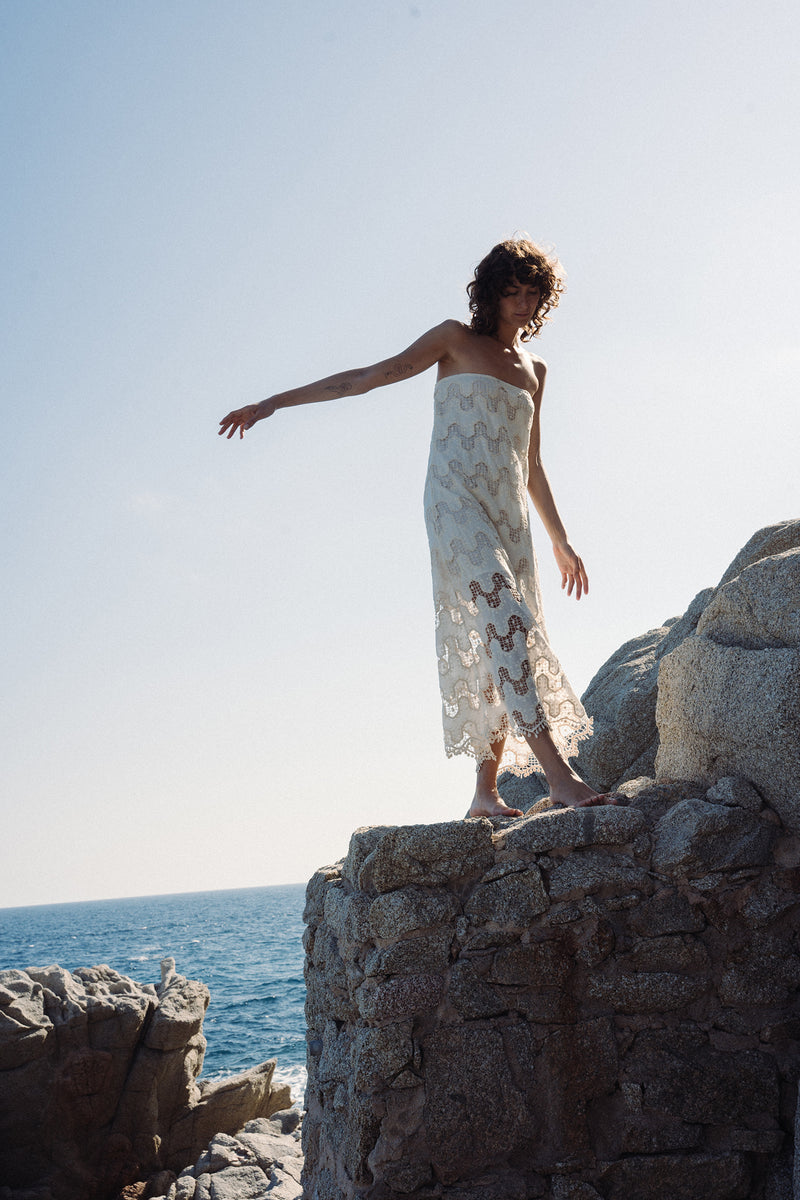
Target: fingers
[228,425]
[233,421]
[571,580]
[574,578]
[573,573]
[583,583]
[242,419]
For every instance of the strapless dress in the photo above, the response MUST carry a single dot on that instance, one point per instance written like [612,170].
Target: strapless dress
[498,674]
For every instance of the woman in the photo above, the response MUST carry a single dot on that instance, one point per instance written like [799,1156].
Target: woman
[505,698]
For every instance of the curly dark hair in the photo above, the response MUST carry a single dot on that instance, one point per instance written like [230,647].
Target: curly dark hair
[514,261]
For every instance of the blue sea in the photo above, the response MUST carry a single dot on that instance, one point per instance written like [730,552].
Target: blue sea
[244,944]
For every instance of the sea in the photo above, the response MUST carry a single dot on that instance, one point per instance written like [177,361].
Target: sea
[244,944]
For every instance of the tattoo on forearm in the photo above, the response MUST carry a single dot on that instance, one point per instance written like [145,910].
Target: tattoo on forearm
[339,389]
[398,370]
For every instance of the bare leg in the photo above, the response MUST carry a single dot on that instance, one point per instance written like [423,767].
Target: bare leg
[566,788]
[487,801]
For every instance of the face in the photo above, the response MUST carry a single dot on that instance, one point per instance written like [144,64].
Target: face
[518,303]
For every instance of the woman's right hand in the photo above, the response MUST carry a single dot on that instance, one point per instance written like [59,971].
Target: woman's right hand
[573,572]
[245,418]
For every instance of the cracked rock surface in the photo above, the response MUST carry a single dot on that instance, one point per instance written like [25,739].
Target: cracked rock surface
[594,1002]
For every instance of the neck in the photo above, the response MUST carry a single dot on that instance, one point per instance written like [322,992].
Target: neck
[507,335]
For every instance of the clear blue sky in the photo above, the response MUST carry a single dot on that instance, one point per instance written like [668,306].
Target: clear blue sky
[218,657]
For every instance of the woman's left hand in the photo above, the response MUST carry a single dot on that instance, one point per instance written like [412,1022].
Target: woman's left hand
[573,572]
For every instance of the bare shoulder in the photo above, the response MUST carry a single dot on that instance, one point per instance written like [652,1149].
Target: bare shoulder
[447,340]
[540,371]
[444,336]
[456,332]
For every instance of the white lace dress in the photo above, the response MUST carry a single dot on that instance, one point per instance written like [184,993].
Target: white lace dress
[497,673]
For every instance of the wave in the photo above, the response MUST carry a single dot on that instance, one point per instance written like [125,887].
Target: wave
[297,1079]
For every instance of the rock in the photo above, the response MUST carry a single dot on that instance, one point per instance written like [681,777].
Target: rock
[225,1104]
[471,997]
[160,1183]
[223,1151]
[409,910]
[522,792]
[774,539]
[569,827]
[574,1189]
[262,1161]
[588,871]
[655,992]
[695,838]
[758,609]
[621,698]
[732,790]
[25,1027]
[411,957]
[729,696]
[468,1081]
[510,901]
[98,1080]
[682,1074]
[654,799]
[239,1183]
[620,982]
[404,855]
[178,1017]
[591,975]
[666,912]
[400,997]
[284,1122]
[679,1177]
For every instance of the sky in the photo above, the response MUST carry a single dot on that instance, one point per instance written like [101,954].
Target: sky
[218,656]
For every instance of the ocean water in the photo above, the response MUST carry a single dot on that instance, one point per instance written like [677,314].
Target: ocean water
[244,944]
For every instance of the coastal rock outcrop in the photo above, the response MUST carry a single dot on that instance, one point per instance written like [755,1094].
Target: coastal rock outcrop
[586,1003]
[729,695]
[579,1003]
[754,608]
[99,1080]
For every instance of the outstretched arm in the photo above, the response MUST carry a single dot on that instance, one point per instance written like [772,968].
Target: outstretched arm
[423,353]
[573,572]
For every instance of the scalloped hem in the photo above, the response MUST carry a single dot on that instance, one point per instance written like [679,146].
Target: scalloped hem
[517,757]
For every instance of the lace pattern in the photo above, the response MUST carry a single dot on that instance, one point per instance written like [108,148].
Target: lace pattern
[497,673]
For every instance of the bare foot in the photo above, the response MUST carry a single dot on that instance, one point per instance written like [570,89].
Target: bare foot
[572,792]
[489,803]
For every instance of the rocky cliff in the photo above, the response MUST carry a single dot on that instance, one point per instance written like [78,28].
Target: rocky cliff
[98,1081]
[586,1003]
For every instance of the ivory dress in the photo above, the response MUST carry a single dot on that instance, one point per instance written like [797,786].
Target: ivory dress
[497,673]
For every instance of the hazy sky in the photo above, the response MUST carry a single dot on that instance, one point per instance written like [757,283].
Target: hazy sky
[218,656]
